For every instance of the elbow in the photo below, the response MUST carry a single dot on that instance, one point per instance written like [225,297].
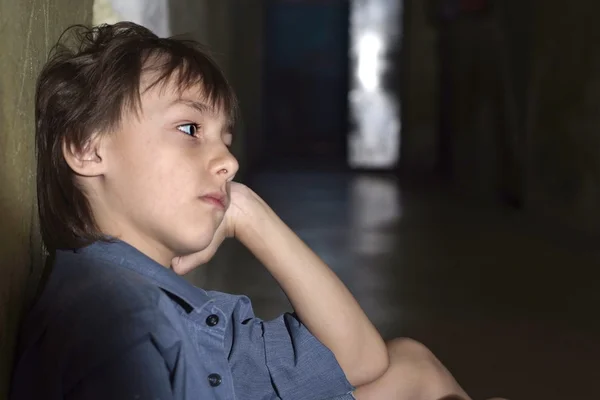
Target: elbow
[369,364]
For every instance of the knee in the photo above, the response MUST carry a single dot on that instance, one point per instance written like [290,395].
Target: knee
[414,359]
[409,350]
[414,372]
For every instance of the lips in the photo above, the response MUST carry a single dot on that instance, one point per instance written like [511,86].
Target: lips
[216,199]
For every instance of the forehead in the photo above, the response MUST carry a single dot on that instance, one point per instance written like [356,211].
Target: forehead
[154,90]
[161,96]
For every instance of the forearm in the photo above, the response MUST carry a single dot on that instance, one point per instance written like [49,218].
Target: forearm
[320,299]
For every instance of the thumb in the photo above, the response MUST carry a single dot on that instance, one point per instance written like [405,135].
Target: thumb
[184,264]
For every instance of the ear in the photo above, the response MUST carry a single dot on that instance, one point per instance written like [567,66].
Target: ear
[87,160]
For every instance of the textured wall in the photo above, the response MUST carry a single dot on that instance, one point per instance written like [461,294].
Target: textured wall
[28,28]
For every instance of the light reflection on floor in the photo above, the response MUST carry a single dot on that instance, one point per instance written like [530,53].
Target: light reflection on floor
[374,205]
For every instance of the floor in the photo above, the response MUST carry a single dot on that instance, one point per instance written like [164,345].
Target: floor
[507,303]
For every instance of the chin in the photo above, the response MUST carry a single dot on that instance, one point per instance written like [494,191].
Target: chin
[188,241]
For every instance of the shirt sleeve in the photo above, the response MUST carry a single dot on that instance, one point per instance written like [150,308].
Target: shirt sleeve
[138,373]
[300,365]
[282,353]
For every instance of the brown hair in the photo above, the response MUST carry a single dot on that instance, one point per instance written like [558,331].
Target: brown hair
[85,88]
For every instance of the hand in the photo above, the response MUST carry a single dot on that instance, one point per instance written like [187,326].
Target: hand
[244,205]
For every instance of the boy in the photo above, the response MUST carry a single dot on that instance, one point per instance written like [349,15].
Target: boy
[135,188]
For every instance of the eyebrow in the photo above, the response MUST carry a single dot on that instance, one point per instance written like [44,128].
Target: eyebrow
[201,107]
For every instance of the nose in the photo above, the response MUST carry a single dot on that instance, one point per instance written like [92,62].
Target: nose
[225,166]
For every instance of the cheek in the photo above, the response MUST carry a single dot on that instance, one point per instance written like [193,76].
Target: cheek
[156,176]
[171,182]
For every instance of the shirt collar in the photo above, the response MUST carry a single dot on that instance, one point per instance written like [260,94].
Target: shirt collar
[124,255]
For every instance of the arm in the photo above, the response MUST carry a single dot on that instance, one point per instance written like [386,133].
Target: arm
[320,299]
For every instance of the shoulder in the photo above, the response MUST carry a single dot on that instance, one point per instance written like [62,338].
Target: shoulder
[86,286]
[91,314]
[94,306]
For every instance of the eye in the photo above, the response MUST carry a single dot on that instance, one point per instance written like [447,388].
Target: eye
[189,129]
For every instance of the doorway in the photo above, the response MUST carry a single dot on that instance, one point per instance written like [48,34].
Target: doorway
[306,81]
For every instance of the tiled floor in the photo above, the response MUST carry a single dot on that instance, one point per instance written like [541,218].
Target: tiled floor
[509,305]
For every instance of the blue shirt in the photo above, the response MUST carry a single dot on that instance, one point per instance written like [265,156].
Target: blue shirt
[113,324]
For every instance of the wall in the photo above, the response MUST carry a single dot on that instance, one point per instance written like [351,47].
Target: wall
[563,135]
[482,130]
[29,28]
[464,85]
[418,90]
[523,103]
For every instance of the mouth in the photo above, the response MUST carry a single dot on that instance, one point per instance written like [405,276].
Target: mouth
[217,200]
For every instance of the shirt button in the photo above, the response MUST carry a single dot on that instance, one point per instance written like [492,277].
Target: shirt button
[214,380]
[212,320]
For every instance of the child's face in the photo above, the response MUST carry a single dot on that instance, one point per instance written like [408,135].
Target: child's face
[158,169]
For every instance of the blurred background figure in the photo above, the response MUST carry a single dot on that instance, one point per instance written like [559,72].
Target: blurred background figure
[443,156]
